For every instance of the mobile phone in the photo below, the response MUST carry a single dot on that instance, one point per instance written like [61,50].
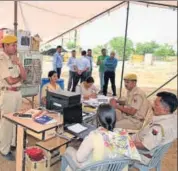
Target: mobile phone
[25,115]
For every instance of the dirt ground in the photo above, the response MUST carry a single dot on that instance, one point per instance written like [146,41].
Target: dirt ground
[149,79]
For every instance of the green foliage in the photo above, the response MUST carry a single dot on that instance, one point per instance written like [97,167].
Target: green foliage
[165,50]
[97,49]
[117,44]
[147,47]
[70,45]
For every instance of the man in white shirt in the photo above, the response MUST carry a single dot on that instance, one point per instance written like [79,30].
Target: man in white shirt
[81,67]
[71,64]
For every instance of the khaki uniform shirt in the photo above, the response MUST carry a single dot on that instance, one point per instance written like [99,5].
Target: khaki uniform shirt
[162,130]
[7,69]
[136,98]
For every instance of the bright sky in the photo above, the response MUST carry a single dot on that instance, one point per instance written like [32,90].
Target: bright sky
[145,24]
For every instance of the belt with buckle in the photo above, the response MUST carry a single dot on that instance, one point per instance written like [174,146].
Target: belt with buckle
[10,88]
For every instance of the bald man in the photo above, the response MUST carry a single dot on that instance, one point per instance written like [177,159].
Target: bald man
[110,64]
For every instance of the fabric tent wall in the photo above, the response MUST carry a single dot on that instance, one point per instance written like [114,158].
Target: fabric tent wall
[52,18]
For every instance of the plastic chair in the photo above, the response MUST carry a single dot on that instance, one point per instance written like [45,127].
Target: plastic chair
[105,165]
[155,161]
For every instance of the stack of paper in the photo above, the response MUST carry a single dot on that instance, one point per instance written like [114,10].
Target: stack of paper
[77,128]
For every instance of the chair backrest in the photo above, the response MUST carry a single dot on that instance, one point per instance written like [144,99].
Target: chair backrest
[107,165]
[158,154]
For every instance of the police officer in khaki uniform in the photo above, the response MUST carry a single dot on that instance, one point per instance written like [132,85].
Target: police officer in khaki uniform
[163,127]
[132,114]
[12,74]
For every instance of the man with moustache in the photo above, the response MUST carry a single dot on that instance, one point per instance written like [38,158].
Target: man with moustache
[132,114]
[12,73]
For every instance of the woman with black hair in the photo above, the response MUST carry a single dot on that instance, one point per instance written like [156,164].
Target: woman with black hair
[87,89]
[104,142]
[52,86]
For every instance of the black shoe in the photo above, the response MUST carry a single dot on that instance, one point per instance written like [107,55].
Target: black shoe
[100,92]
[9,156]
[13,148]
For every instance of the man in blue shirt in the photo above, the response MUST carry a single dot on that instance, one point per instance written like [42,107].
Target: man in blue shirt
[90,58]
[57,61]
[110,64]
[71,64]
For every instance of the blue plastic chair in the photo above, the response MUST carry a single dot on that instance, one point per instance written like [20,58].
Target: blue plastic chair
[105,165]
[155,161]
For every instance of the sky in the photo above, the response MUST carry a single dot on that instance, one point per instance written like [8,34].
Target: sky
[145,24]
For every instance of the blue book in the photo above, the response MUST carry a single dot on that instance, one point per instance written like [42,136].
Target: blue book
[43,119]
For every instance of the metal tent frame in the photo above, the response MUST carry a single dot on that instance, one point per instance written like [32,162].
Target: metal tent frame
[152,3]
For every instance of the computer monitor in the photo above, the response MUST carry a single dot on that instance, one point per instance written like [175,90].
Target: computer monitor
[57,100]
[72,114]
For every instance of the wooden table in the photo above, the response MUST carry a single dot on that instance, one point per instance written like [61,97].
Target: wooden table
[22,126]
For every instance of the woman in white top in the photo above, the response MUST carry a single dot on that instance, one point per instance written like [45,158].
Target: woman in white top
[52,85]
[87,89]
[104,142]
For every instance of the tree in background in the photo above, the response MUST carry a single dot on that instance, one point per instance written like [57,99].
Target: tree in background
[97,49]
[117,44]
[164,50]
[70,45]
[147,47]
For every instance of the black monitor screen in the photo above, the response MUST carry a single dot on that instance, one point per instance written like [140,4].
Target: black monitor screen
[72,114]
[53,101]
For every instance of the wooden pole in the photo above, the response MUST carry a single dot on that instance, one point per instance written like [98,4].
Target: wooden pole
[15,17]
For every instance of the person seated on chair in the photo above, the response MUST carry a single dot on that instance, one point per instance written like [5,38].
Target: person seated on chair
[87,89]
[163,127]
[52,86]
[132,114]
[103,143]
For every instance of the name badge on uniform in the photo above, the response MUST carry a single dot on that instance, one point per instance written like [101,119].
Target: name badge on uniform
[10,67]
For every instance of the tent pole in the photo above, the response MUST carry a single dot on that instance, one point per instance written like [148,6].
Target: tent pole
[125,44]
[75,38]
[162,85]
[62,41]
[15,17]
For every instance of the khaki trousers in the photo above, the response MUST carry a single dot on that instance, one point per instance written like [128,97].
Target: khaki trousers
[127,122]
[10,102]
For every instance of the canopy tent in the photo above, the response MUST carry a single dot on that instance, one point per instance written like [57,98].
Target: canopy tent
[50,52]
[57,18]
[52,18]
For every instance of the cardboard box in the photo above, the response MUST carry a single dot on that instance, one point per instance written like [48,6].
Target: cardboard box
[42,165]
[24,40]
[35,43]
[47,135]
